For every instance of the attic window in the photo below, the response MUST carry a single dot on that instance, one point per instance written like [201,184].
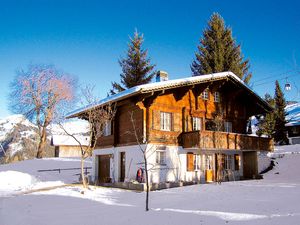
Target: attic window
[205,94]
[217,96]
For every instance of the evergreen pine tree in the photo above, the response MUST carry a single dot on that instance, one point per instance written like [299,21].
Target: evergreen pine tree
[136,67]
[266,123]
[280,135]
[218,52]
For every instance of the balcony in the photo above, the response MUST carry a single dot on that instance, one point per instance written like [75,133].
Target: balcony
[223,140]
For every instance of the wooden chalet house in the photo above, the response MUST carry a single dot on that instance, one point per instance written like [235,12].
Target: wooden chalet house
[177,124]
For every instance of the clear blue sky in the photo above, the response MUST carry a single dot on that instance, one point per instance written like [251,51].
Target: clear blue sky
[86,38]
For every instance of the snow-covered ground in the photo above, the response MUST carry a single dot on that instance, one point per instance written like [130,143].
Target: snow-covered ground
[273,200]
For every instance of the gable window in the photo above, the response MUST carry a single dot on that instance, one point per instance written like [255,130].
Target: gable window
[197,122]
[205,94]
[217,96]
[161,156]
[165,121]
[228,127]
[107,128]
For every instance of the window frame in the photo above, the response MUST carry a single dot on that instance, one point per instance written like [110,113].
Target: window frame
[228,126]
[166,121]
[161,157]
[197,123]
[216,96]
[107,130]
[205,94]
[197,162]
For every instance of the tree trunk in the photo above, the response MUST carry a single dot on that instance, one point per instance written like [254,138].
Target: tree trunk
[84,182]
[42,144]
[147,183]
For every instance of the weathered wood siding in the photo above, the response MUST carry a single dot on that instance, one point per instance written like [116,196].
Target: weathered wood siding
[183,103]
[122,127]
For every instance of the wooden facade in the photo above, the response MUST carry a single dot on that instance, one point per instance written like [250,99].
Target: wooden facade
[182,104]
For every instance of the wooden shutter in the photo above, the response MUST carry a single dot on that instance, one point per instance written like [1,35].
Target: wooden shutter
[156,120]
[190,161]
[176,121]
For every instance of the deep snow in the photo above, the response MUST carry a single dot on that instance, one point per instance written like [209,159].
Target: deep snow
[273,200]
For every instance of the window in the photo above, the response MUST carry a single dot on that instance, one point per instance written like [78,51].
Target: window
[165,121]
[161,156]
[236,162]
[205,94]
[107,128]
[197,123]
[208,162]
[190,161]
[217,96]
[228,162]
[210,125]
[197,162]
[228,127]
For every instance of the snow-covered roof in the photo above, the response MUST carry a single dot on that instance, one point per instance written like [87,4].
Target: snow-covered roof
[65,140]
[293,114]
[146,88]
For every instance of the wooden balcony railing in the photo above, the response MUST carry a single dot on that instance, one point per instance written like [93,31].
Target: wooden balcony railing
[223,140]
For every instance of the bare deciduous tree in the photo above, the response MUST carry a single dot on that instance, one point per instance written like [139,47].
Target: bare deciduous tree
[40,93]
[145,159]
[97,117]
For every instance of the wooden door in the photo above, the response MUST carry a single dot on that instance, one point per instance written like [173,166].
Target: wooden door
[209,171]
[104,169]
[249,165]
[122,166]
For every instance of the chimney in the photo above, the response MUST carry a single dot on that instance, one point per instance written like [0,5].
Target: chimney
[161,76]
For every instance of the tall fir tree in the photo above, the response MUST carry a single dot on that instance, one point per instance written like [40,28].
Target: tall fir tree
[218,52]
[280,135]
[136,67]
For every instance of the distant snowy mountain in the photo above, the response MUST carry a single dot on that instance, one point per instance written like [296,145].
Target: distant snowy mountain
[293,116]
[18,137]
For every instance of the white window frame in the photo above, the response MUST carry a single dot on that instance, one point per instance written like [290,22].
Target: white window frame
[165,121]
[205,94]
[217,96]
[197,162]
[161,157]
[107,128]
[208,162]
[228,126]
[197,123]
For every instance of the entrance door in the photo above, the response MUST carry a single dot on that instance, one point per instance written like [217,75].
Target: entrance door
[249,165]
[104,168]
[209,172]
[122,166]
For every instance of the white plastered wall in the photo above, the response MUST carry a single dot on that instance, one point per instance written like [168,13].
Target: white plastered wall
[173,170]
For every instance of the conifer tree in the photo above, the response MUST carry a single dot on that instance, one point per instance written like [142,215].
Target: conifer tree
[266,123]
[218,52]
[280,135]
[136,67]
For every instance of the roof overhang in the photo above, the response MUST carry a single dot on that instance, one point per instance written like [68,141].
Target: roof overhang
[170,84]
